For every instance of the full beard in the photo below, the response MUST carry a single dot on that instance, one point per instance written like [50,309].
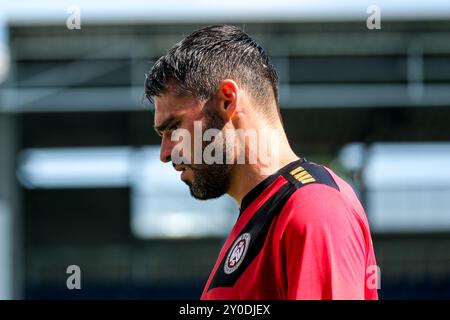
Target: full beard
[209,181]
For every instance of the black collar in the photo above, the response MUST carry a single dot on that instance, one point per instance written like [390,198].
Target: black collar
[260,187]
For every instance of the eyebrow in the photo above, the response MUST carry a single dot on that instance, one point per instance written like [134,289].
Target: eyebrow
[165,124]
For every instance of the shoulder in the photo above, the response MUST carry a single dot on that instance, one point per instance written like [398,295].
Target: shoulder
[314,189]
[314,205]
[316,201]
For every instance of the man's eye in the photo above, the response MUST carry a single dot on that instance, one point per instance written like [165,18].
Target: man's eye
[173,127]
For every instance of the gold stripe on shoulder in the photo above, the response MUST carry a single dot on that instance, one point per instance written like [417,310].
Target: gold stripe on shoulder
[297,170]
[304,181]
[301,175]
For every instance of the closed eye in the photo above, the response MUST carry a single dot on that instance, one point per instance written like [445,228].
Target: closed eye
[172,127]
[167,126]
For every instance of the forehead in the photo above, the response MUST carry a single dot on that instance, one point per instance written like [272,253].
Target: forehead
[172,105]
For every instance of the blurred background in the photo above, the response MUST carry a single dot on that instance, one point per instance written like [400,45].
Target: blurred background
[80,179]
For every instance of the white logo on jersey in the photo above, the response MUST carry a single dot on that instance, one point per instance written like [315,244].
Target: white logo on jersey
[237,253]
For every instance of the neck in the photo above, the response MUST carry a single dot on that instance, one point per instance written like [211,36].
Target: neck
[246,176]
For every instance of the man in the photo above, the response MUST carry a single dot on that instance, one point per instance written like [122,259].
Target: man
[301,232]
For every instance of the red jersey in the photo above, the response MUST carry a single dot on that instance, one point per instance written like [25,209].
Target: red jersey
[301,234]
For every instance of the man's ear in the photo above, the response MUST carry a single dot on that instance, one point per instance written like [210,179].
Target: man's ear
[227,95]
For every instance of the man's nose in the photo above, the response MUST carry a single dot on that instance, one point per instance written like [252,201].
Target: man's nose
[166,150]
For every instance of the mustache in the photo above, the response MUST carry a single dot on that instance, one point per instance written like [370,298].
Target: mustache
[182,164]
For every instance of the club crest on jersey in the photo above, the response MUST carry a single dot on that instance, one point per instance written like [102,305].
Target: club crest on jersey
[237,253]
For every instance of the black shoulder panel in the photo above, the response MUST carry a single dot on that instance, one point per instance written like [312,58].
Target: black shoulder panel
[308,172]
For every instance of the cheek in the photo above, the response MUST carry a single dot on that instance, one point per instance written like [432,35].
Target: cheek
[183,145]
[195,148]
